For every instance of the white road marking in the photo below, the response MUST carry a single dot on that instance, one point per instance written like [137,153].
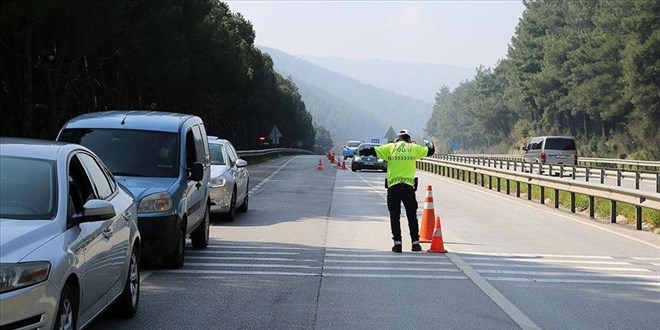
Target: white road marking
[392,268]
[439,277]
[425,256]
[232,272]
[522,255]
[201,264]
[258,247]
[487,264]
[255,188]
[647,258]
[514,272]
[557,261]
[385,262]
[508,307]
[244,252]
[567,281]
[254,259]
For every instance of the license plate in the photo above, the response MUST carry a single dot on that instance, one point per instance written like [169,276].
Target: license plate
[560,157]
[369,163]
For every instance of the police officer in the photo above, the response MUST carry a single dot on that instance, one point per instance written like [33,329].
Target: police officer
[401,157]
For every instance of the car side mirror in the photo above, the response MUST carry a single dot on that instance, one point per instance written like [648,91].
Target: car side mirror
[197,172]
[96,210]
[524,148]
[241,163]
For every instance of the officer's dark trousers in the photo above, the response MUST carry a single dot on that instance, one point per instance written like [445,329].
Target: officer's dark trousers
[406,194]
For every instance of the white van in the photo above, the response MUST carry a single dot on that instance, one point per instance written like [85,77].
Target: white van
[556,150]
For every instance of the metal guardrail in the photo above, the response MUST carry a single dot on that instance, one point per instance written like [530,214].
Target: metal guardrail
[471,172]
[607,163]
[255,154]
[515,163]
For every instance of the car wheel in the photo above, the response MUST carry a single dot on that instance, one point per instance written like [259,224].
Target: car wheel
[244,206]
[231,214]
[175,259]
[67,311]
[126,304]
[200,237]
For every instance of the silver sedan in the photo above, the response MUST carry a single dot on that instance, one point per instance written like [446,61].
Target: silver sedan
[69,242]
[229,179]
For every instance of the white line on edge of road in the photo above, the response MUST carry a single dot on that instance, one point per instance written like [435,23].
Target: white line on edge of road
[508,307]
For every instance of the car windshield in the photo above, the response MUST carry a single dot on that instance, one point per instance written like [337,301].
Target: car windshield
[130,152]
[353,144]
[559,144]
[28,189]
[217,154]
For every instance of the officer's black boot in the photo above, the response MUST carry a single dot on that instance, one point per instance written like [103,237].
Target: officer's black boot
[397,247]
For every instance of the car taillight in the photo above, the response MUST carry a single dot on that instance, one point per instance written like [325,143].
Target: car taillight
[542,157]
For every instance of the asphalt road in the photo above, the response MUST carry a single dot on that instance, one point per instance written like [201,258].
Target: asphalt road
[313,252]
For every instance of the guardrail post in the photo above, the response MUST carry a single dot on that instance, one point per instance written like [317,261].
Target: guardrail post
[637,179]
[507,164]
[499,181]
[482,179]
[592,207]
[657,183]
[518,189]
[618,178]
[638,217]
[469,177]
[542,194]
[573,172]
[515,165]
[508,188]
[529,191]
[490,182]
[613,211]
[572,202]
[550,169]
[561,171]
[602,176]
[586,173]
[556,198]
[488,162]
[500,164]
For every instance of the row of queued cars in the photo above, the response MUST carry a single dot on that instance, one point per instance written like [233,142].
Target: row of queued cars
[353,148]
[78,214]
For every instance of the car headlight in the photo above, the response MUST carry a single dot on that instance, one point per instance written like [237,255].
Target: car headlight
[218,182]
[158,202]
[357,158]
[20,275]
[380,160]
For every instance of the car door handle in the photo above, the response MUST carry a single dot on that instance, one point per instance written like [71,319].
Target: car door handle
[108,232]
[127,215]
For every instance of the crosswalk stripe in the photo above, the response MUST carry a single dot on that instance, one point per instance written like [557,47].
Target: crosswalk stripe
[471,255]
[199,264]
[570,281]
[233,272]
[254,258]
[440,277]
[244,252]
[511,272]
[486,264]
[424,256]
[554,261]
[260,247]
[391,268]
[385,262]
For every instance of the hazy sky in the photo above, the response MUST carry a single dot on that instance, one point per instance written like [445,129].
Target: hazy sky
[465,33]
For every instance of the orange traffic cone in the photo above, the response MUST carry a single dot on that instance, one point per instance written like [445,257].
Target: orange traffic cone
[338,162]
[426,229]
[319,167]
[343,165]
[437,246]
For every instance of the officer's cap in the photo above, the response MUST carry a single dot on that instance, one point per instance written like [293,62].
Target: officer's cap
[403,132]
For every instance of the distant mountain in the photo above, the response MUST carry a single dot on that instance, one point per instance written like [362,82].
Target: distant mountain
[348,108]
[418,80]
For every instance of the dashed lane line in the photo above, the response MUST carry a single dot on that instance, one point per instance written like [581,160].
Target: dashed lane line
[260,184]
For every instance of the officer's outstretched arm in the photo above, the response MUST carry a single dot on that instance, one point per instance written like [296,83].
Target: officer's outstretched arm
[430,146]
[370,151]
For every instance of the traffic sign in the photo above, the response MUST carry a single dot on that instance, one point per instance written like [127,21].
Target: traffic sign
[275,135]
[390,136]
[375,140]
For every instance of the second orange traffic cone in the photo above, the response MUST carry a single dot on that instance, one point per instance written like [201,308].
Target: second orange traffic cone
[437,245]
[319,167]
[428,215]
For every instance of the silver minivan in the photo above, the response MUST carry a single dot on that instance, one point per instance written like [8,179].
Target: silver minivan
[556,150]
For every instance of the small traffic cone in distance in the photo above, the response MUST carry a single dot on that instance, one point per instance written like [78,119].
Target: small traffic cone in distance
[437,245]
[338,162]
[428,216]
[319,167]
[343,165]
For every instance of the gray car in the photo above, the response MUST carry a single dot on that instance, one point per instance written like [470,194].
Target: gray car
[229,179]
[69,242]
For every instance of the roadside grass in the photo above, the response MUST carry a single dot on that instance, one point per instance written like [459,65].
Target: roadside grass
[602,207]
